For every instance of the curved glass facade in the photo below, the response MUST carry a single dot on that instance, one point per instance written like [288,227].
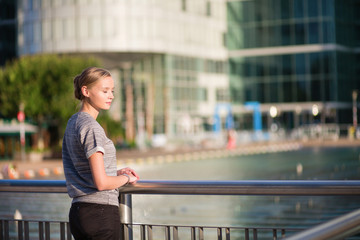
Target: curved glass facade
[267,23]
[284,78]
[294,51]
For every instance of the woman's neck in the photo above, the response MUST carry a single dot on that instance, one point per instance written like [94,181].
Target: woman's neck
[86,107]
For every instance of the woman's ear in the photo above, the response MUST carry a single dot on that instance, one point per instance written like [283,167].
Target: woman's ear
[84,91]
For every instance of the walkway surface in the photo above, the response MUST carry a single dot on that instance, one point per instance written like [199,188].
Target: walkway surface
[53,168]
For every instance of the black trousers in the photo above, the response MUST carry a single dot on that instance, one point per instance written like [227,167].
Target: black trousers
[94,221]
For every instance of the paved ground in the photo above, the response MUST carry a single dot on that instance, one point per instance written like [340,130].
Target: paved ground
[53,168]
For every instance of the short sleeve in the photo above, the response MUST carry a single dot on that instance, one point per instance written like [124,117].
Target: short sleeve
[93,139]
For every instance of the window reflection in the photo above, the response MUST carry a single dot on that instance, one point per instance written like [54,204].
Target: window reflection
[291,24]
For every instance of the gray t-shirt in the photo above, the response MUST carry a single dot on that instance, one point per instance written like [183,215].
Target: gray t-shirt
[83,137]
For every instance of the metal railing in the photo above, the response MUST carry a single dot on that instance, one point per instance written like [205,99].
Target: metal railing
[344,226]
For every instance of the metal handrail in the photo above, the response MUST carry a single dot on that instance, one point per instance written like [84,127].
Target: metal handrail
[34,186]
[346,225]
[247,187]
[338,228]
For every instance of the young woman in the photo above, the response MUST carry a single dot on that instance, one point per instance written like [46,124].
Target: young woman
[89,159]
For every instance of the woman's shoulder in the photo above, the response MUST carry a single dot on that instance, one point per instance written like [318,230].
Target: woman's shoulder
[85,122]
[84,119]
[82,122]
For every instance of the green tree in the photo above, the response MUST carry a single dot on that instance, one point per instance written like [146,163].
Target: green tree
[44,84]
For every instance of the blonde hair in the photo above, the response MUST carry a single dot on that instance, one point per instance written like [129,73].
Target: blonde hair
[87,78]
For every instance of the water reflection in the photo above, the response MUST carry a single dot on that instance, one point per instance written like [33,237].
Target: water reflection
[250,211]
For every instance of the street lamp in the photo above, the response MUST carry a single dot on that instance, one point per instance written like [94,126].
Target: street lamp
[354,97]
[21,119]
[315,110]
[273,111]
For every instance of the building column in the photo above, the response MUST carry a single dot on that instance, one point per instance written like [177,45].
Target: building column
[129,103]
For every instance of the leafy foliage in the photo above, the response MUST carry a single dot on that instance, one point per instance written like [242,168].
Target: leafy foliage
[112,127]
[44,84]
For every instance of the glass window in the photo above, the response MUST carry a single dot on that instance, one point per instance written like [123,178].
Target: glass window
[300,64]
[313,8]
[240,68]
[287,62]
[276,35]
[37,32]
[30,5]
[327,7]
[272,36]
[273,65]
[234,11]
[298,8]
[299,33]
[236,95]
[286,34]
[233,67]
[285,9]
[265,38]
[357,64]
[203,94]
[327,90]
[249,37]
[327,63]
[328,32]
[259,29]
[313,36]
[261,92]
[248,11]
[273,92]
[315,63]
[260,68]
[287,91]
[315,90]
[275,9]
[28,33]
[301,90]
[222,95]
[247,68]
[248,93]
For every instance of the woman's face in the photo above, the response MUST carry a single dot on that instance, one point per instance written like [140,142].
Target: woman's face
[101,94]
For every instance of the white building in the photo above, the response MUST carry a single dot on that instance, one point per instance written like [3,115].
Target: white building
[168,56]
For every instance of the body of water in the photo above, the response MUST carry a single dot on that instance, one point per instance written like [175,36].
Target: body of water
[317,163]
[250,211]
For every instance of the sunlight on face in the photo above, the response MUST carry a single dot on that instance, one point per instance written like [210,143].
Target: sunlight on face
[102,94]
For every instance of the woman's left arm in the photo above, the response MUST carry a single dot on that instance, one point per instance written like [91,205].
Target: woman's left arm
[104,182]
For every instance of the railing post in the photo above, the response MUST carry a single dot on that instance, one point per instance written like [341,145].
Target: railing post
[125,208]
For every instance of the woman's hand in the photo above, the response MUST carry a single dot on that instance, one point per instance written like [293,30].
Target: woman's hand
[132,174]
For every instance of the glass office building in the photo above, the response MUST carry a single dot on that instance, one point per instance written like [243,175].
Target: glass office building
[8,28]
[179,92]
[294,55]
